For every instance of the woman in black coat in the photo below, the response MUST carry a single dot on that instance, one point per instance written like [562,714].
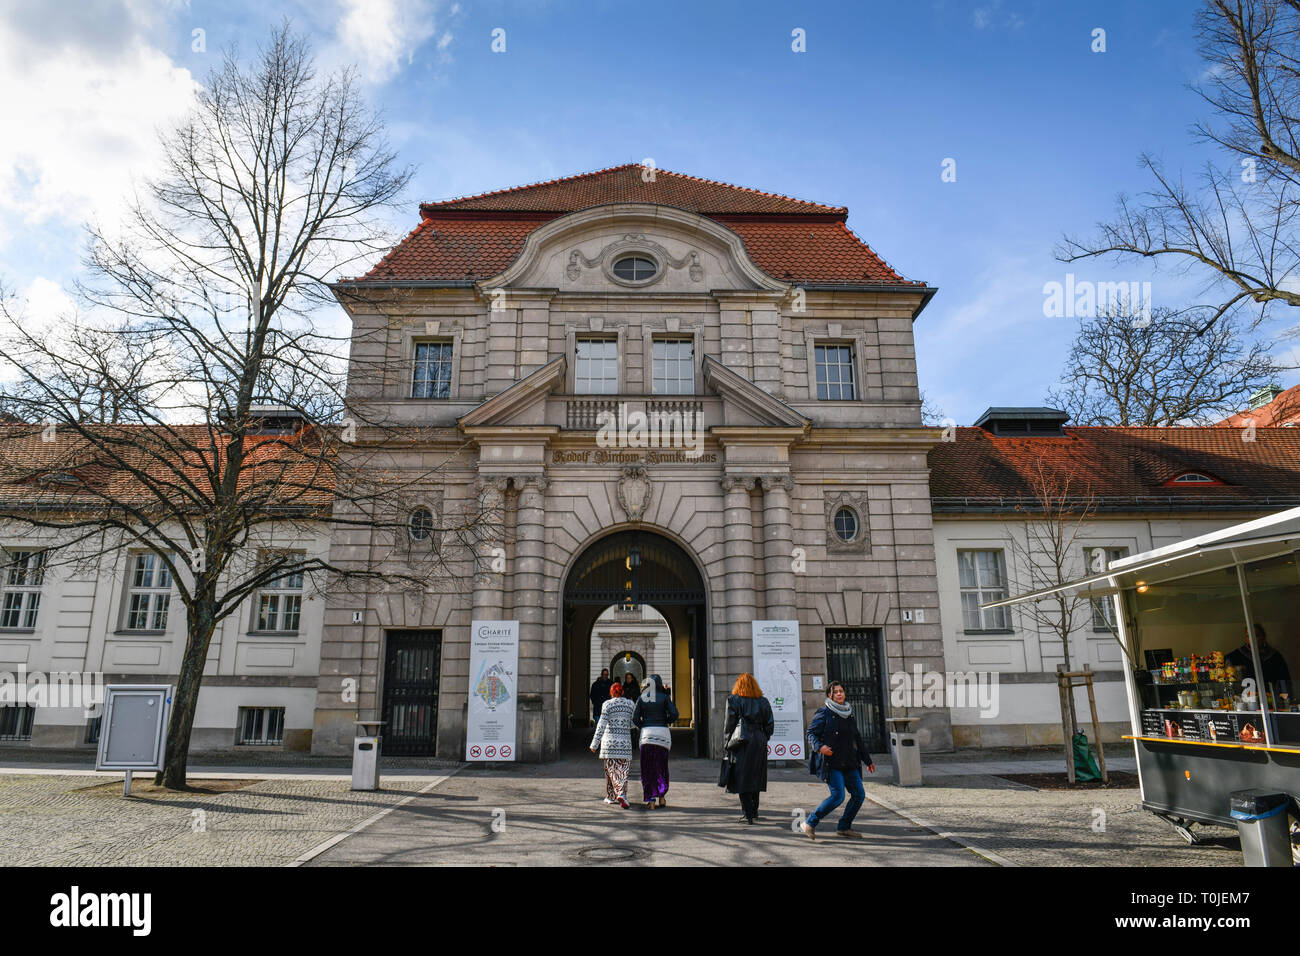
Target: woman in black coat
[745,767]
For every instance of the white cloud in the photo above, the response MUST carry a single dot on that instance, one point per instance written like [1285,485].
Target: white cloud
[83,101]
[381,36]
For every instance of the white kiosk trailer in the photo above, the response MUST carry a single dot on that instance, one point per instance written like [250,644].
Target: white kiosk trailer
[1210,628]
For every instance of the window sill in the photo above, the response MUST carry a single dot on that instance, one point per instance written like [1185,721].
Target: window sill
[122,632]
[17,630]
[273,633]
[998,630]
[1104,630]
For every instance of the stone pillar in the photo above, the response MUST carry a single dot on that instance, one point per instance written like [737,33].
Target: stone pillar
[489,584]
[528,585]
[778,542]
[738,532]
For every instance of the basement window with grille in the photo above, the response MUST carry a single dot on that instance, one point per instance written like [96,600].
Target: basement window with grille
[261,726]
[16,722]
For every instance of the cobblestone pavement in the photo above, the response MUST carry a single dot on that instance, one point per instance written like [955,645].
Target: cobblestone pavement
[82,821]
[1026,827]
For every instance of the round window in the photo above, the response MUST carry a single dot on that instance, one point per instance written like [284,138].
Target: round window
[635,268]
[421,524]
[846,524]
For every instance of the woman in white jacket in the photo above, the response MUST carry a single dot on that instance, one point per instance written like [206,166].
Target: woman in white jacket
[612,741]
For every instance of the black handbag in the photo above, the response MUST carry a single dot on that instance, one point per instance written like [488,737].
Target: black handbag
[740,736]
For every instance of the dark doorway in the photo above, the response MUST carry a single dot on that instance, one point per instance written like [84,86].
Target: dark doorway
[853,659]
[629,569]
[411,693]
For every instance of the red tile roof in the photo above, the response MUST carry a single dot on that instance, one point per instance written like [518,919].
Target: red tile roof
[479,236]
[1283,410]
[1120,463]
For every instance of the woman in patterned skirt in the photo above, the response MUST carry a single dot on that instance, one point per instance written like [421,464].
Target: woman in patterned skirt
[612,741]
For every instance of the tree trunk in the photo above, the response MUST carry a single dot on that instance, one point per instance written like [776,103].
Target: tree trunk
[200,624]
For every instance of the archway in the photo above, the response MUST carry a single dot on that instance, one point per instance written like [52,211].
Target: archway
[629,571]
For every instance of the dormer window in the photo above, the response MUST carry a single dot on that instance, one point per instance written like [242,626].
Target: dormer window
[1195,478]
[635,268]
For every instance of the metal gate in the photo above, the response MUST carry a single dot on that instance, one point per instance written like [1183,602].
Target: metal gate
[411,693]
[853,659]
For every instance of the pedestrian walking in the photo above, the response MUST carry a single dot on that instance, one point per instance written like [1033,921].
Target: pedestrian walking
[653,715]
[631,687]
[613,737]
[599,693]
[749,726]
[836,754]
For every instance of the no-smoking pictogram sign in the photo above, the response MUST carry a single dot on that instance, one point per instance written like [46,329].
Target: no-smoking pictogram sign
[505,750]
[475,751]
[794,750]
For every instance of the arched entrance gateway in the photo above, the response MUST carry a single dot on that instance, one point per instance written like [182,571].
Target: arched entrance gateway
[615,578]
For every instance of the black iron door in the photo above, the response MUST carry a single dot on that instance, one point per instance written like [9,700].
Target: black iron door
[411,693]
[853,659]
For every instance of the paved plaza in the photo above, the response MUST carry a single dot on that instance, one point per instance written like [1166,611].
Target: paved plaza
[302,812]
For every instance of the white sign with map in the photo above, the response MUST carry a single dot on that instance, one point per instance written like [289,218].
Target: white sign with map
[493,690]
[776,667]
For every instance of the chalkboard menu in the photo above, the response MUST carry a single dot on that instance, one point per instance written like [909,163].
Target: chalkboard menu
[1209,726]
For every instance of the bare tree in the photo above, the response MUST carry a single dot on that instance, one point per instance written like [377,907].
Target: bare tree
[1048,548]
[1170,368]
[224,431]
[1234,228]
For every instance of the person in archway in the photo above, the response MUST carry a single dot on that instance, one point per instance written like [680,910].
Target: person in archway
[745,767]
[612,742]
[836,753]
[599,693]
[653,714]
[631,687]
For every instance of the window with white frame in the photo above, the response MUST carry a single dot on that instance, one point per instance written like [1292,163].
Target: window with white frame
[432,375]
[149,593]
[982,577]
[261,726]
[834,369]
[23,576]
[1103,608]
[279,603]
[673,360]
[596,367]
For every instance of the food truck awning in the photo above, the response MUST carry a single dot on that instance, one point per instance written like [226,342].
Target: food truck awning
[1249,541]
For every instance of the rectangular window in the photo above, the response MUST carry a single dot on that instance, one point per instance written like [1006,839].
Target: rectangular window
[982,576]
[261,726]
[432,375]
[16,722]
[1103,609]
[674,366]
[835,381]
[24,574]
[92,729]
[148,596]
[279,603]
[596,369]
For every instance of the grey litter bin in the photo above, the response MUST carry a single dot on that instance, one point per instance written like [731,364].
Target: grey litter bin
[1262,822]
[905,751]
[365,756]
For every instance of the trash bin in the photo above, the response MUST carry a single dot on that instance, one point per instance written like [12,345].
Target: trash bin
[365,755]
[905,751]
[1262,822]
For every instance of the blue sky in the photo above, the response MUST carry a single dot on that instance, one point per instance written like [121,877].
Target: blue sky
[1044,132]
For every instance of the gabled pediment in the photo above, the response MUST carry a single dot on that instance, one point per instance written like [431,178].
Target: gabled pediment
[744,403]
[523,403]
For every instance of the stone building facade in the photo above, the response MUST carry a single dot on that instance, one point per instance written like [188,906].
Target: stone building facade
[486,346]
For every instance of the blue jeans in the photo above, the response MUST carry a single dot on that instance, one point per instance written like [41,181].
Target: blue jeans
[838,781]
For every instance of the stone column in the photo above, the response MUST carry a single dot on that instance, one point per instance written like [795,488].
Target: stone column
[529,550]
[778,542]
[489,584]
[738,532]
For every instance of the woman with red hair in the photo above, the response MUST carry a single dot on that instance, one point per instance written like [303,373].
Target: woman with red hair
[614,737]
[744,738]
